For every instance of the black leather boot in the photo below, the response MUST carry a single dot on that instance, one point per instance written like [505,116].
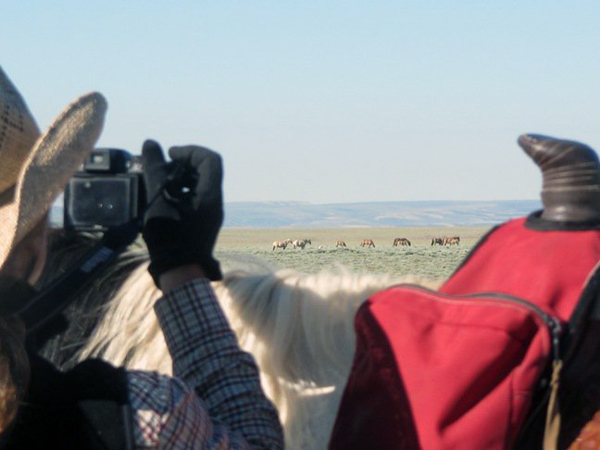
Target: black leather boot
[571,178]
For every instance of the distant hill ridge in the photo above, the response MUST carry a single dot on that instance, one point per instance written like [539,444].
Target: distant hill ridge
[367,214]
[375,214]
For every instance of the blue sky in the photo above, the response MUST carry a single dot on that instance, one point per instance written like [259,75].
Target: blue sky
[325,101]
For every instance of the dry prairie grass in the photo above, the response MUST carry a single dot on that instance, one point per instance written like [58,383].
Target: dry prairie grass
[422,259]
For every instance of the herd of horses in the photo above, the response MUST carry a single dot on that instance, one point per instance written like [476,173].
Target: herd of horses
[454,240]
[398,242]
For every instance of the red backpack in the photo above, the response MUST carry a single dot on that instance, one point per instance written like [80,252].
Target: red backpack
[503,356]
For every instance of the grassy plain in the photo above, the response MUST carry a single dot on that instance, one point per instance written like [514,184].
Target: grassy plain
[236,245]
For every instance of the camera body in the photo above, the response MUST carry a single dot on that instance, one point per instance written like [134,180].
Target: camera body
[107,191]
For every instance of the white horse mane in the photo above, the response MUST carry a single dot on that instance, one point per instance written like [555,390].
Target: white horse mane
[298,327]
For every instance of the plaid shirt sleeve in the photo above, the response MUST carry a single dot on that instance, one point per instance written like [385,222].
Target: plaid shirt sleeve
[206,356]
[167,414]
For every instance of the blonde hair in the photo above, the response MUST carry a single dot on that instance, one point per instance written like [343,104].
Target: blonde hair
[66,248]
[14,369]
[128,333]
[300,329]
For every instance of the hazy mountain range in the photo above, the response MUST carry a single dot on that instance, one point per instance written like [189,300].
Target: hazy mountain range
[401,214]
[372,214]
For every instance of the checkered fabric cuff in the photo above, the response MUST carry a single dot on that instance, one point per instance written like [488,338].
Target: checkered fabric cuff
[189,315]
[206,355]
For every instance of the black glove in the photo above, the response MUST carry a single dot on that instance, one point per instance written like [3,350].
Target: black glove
[181,227]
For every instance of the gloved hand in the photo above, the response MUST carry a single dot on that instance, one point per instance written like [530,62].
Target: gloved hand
[182,232]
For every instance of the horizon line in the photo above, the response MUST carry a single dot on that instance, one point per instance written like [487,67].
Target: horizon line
[307,202]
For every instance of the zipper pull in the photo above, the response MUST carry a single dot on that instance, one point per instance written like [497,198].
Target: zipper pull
[552,429]
[555,331]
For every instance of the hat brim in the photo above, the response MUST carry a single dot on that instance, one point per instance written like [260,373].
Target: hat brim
[52,162]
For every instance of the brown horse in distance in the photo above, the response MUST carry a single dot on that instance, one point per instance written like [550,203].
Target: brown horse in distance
[455,240]
[437,241]
[401,241]
[282,244]
[367,243]
[340,243]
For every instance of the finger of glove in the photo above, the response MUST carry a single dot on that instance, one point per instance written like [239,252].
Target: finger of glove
[154,167]
[156,170]
[209,167]
[152,154]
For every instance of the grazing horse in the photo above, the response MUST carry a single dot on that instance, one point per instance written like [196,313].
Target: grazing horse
[282,244]
[401,241]
[455,240]
[301,243]
[367,243]
[298,327]
[437,240]
[340,243]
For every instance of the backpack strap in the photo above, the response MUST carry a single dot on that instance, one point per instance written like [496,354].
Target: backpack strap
[102,398]
[579,395]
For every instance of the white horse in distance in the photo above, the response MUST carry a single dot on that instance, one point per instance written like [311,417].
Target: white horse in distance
[301,243]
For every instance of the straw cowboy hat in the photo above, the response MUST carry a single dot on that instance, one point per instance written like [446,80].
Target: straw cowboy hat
[34,167]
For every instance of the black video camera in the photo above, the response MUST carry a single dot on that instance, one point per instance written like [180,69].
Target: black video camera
[107,192]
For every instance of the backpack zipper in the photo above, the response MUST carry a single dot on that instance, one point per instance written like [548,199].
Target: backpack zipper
[553,323]
[550,384]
